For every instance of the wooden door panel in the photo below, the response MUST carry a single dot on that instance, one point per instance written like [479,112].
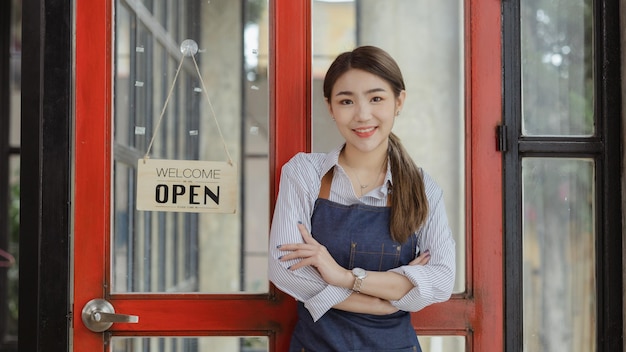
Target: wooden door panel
[476,314]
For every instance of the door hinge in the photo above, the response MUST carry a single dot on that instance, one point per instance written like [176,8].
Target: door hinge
[501,139]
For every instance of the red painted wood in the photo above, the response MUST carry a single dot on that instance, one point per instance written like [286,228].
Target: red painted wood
[477,314]
[448,318]
[215,315]
[485,113]
[92,161]
[266,315]
[290,106]
[290,103]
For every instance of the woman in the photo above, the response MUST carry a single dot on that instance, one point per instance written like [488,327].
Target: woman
[360,236]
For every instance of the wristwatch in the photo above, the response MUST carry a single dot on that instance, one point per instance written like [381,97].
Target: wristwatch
[359,275]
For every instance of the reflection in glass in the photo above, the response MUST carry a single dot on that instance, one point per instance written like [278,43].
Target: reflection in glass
[442,343]
[248,344]
[557,67]
[558,254]
[187,252]
[9,277]
[432,123]
[190,344]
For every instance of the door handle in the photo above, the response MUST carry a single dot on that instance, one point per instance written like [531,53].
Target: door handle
[98,315]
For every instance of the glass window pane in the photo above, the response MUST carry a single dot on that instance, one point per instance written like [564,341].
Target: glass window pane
[190,344]
[248,344]
[558,249]
[15,73]
[9,280]
[442,343]
[11,263]
[170,111]
[432,123]
[557,67]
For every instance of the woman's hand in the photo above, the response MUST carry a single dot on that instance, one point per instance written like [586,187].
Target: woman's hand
[421,259]
[312,253]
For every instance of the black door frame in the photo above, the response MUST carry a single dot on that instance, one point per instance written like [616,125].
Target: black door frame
[605,148]
[45,175]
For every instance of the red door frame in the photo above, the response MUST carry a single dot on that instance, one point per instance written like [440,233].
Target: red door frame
[477,314]
[485,197]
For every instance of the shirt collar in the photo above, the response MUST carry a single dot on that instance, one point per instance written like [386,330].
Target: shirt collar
[332,159]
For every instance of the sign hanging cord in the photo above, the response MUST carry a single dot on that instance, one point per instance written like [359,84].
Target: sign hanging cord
[169,95]
[188,48]
[206,94]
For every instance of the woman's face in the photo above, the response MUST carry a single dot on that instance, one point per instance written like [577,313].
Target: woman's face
[364,108]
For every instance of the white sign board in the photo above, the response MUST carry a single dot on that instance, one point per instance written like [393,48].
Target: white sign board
[187,186]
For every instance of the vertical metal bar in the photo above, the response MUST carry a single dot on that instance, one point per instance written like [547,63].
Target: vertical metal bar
[512,192]
[194,31]
[5,118]
[165,260]
[608,79]
[242,154]
[30,174]
[148,117]
[45,167]
[176,268]
[132,106]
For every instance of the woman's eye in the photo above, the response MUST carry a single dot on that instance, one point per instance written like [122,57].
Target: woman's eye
[345,102]
[377,99]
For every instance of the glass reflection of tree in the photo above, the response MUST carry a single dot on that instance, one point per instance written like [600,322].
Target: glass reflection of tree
[557,67]
[558,100]
[558,255]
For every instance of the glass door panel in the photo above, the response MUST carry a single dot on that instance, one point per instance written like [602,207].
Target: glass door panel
[247,344]
[432,123]
[197,279]
[559,224]
[558,247]
[190,344]
[163,111]
[443,343]
[557,68]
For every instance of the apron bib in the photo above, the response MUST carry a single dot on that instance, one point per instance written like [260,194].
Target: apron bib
[356,236]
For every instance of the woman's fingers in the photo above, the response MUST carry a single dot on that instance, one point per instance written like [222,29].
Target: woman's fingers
[306,235]
[312,253]
[309,249]
[422,259]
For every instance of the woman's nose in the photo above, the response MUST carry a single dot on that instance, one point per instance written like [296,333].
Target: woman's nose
[362,112]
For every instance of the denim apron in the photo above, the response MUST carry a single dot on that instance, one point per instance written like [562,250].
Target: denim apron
[356,236]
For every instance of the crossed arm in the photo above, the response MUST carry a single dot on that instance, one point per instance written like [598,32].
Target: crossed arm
[377,290]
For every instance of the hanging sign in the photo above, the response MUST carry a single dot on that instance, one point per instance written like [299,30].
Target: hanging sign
[186,186]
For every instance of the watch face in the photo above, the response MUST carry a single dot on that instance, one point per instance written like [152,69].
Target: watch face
[358,272]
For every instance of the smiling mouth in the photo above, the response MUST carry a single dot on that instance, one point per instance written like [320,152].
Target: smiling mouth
[364,132]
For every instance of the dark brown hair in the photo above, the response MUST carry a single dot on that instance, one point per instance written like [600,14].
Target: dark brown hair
[409,205]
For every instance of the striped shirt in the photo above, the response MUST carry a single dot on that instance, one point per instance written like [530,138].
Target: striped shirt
[298,190]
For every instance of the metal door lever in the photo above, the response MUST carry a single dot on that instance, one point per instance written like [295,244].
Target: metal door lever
[98,315]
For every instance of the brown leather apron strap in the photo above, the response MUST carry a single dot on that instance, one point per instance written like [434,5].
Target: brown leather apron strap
[327,180]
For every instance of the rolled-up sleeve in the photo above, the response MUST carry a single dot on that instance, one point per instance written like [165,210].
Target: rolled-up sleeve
[434,281]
